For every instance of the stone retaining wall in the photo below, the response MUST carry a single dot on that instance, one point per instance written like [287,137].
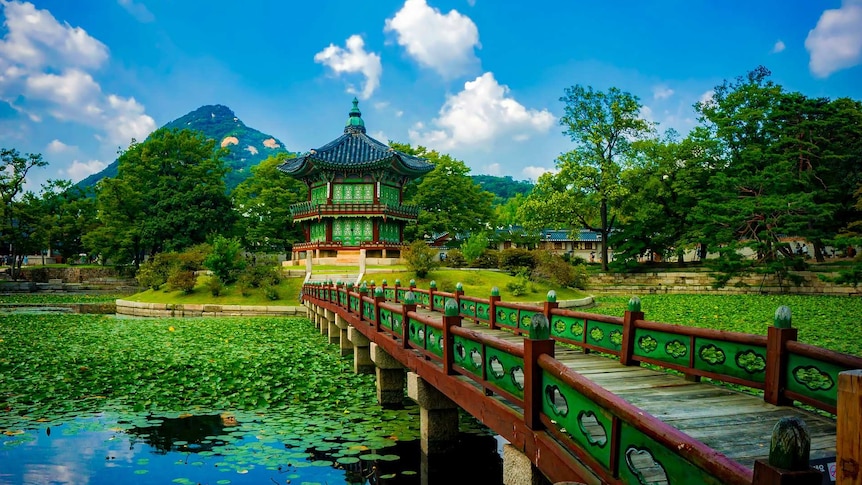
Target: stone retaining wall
[140,309]
[701,282]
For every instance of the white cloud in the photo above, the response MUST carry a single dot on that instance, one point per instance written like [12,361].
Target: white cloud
[354,59]
[836,42]
[444,43]
[662,92]
[533,173]
[56,146]
[493,169]
[480,113]
[707,97]
[79,170]
[138,10]
[778,47]
[45,68]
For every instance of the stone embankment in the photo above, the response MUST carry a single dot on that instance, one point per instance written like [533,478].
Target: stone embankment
[701,282]
[141,309]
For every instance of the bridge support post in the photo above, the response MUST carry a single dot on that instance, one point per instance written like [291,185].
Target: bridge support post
[323,320]
[390,378]
[518,469]
[344,344]
[333,331]
[438,416]
[362,363]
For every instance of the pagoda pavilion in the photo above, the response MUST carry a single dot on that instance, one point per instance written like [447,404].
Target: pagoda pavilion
[354,212]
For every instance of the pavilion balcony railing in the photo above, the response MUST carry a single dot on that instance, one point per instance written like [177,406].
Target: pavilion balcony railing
[307,246]
[310,210]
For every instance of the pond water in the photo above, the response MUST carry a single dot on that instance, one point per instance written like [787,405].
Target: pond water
[232,448]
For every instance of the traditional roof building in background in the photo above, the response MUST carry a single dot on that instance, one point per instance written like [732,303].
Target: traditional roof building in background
[354,212]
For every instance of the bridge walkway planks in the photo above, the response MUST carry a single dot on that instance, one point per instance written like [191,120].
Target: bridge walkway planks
[737,424]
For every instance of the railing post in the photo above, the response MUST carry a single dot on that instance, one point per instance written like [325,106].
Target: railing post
[789,453]
[397,285]
[363,290]
[408,305]
[459,291]
[451,318]
[432,288]
[378,297]
[777,337]
[633,313]
[383,285]
[849,460]
[549,305]
[536,343]
[492,307]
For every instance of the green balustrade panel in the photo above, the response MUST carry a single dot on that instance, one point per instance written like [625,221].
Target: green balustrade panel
[732,359]
[423,298]
[525,317]
[813,378]
[663,346]
[483,311]
[389,293]
[643,460]
[507,316]
[505,371]
[342,298]
[567,327]
[468,354]
[354,303]
[467,308]
[587,423]
[608,336]
[434,342]
[417,332]
[386,318]
[396,324]
[401,294]
[368,311]
[439,301]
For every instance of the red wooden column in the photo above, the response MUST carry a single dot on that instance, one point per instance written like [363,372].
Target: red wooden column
[451,318]
[549,305]
[536,343]
[777,337]
[492,307]
[849,464]
[633,313]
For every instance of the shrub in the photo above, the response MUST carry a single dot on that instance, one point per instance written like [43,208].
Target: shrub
[215,285]
[513,260]
[455,258]
[271,292]
[474,246]
[193,258]
[261,271]
[149,276]
[490,258]
[183,280]
[554,269]
[420,259]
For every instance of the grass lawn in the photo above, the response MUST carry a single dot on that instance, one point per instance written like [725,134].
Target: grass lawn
[288,292]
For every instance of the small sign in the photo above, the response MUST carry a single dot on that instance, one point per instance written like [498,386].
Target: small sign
[826,466]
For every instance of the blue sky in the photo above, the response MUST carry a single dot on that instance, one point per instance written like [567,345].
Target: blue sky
[478,79]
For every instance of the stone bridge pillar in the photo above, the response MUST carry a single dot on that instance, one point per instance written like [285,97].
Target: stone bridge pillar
[438,416]
[343,342]
[362,363]
[332,328]
[390,378]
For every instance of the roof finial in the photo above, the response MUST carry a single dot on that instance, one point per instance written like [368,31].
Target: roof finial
[354,122]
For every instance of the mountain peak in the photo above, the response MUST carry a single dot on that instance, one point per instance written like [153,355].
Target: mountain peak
[246,147]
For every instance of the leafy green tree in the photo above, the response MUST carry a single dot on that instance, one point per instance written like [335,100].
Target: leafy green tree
[169,194]
[19,209]
[587,190]
[450,200]
[263,202]
[420,258]
[226,260]
[69,213]
[474,246]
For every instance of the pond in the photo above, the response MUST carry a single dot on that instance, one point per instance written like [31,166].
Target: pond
[93,399]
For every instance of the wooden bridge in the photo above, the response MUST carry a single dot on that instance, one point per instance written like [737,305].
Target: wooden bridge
[599,399]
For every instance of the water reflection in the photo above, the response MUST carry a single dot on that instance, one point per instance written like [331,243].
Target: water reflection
[186,433]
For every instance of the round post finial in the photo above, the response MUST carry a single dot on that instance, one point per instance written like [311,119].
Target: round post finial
[634,304]
[790,447]
[495,291]
[783,317]
[378,292]
[459,287]
[433,284]
[409,298]
[451,308]
[397,282]
[552,296]
[540,329]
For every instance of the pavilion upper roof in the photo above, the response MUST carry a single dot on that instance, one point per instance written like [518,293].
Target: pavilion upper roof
[355,151]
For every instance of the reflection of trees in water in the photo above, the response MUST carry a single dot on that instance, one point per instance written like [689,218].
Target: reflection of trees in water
[193,430]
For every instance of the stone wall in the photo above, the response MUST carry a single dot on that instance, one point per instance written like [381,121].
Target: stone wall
[701,282]
[140,309]
[72,274]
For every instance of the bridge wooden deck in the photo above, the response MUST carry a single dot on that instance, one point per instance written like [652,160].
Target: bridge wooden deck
[736,424]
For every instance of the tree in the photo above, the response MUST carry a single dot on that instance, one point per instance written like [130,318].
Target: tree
[69,213]
[448,198]
[474,246]
[169,194]
[263,202]
[587,190]
[420,258]
[17,209]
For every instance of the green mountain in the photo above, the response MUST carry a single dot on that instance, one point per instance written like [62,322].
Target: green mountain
[504,188]
[246,146]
